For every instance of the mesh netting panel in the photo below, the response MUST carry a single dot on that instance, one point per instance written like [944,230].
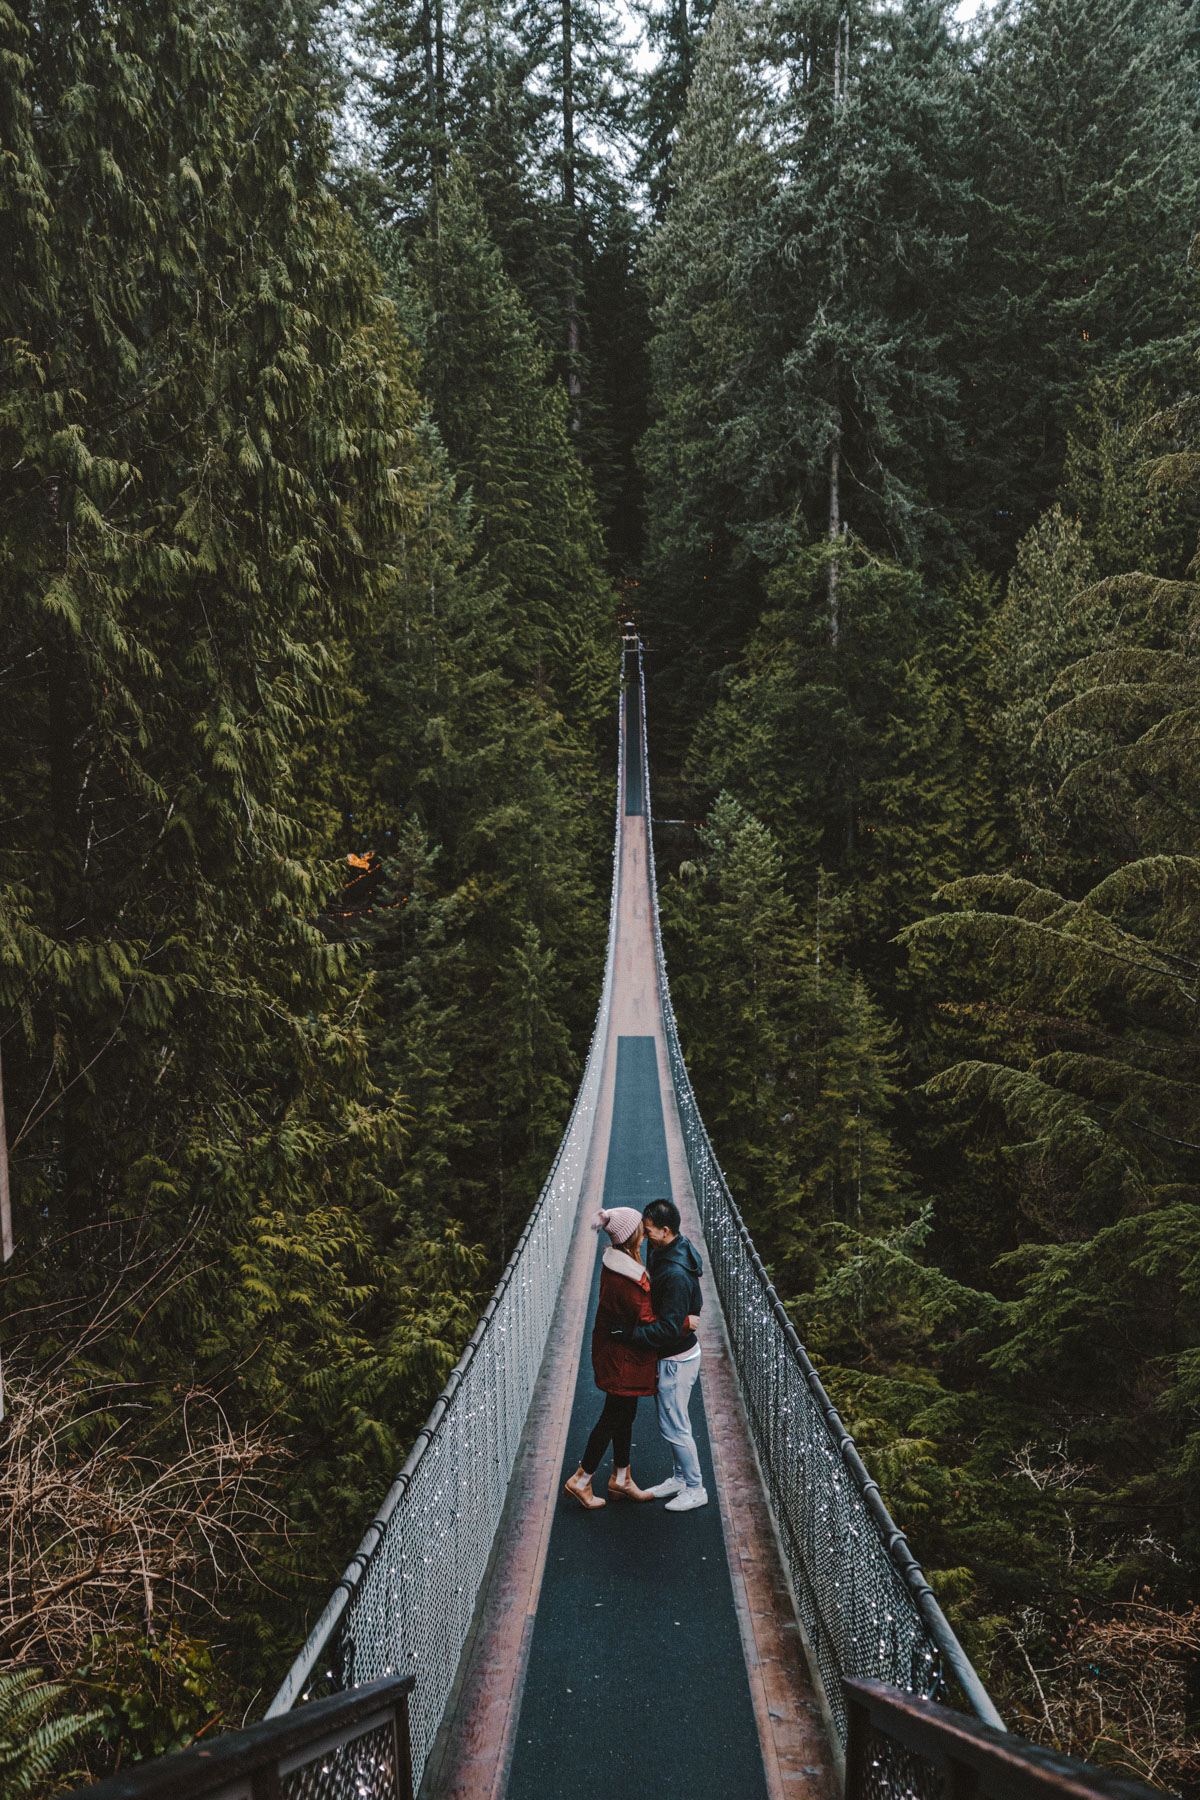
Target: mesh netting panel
[411,1611]
[888,1770]
[855,1604]
[363,1769]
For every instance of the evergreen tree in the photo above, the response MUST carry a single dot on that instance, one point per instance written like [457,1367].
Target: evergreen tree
[530,101]
[1067,1095]
[810,292]
[793,1064]
[506,432]
[1110,448]
[702,593]
[211,453]
[674,32]
[487,698]
[858,758]
[1043,626]
[1085,165]
[447,79]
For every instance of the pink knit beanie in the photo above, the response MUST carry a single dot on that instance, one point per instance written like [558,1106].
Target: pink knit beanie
[620,1222]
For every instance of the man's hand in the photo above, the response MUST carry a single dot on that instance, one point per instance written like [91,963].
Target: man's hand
[691,1323]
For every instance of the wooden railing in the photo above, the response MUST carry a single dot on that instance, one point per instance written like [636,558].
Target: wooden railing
[351,1746]
[900,1747]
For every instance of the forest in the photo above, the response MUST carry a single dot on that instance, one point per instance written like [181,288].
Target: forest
[363,363]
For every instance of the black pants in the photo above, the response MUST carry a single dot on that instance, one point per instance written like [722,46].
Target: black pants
[615,1426]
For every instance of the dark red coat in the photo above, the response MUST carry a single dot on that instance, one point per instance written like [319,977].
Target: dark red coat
[624,1300]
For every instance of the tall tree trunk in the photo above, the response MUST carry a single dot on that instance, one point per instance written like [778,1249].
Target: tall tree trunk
[574,388]
[76,1172]
[835,528]
[439,57]
[433,44]
[841,61]
[431,97]
[428,33]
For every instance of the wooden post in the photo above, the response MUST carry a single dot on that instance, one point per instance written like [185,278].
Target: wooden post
[858,1733]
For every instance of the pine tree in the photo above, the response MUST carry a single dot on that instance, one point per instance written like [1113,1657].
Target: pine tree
[820,398]
[793,1063]
[487,686]
[212,451]
[703,594]
[1105,483]
[854,757]
[1084,168]
[674,32]
[1043,626]
[506,431]
[1069,1092]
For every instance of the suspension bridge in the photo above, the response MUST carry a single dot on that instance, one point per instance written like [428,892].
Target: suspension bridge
[490,1640]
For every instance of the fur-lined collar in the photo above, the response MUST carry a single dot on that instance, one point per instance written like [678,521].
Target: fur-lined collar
[621,1263]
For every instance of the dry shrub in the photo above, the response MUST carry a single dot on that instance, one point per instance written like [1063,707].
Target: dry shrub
[1118,1694]
[123,1515]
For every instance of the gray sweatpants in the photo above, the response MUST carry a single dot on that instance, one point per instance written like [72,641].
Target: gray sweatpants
[675,1383]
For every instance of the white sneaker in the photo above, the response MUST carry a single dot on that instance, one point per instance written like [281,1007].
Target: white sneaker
[664,1490]
[687,1500]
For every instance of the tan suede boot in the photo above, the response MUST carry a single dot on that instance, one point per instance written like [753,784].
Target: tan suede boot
[580,1488]
[627,1489]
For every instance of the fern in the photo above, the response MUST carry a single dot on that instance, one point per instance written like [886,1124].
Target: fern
[35,1731]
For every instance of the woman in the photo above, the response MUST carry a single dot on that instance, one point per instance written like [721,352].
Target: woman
[622,1373]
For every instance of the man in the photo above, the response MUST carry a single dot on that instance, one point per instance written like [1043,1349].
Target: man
[675,1271]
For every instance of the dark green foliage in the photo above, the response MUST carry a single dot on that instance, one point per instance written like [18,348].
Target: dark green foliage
[487,697]
[1018,1352]
[1068,1114]
[1117,435]
[675,31]
[528,100]
[793,1063]
[859,758]
[35,1730]
[222,497]
[292,570]
[505,428]
[1085,163]
[700,593]
[798,367]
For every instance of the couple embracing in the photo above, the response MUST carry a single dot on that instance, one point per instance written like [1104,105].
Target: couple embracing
[643,1343]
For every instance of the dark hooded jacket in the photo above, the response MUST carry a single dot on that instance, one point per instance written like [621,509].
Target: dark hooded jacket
[675,1272]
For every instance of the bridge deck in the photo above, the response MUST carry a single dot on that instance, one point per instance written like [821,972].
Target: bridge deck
[645,1651]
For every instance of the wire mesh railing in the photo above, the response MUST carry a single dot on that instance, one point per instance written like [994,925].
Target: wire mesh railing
[405,1603]
[864,1603]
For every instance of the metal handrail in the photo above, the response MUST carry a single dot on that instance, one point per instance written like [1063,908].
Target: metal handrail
[261,1758]
[940,1631]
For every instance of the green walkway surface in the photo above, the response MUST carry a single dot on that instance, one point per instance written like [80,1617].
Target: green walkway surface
[636,1684]
[634,789]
